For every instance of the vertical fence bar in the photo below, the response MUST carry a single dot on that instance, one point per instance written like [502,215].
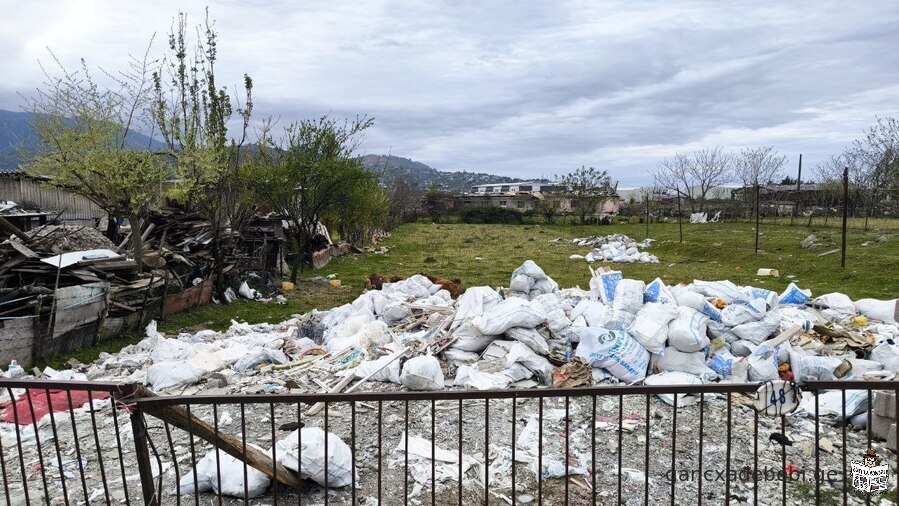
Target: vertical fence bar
[90,400]
[845,484]
[433,450]
[646,456]
[118,440]
[19,449]
[701,420]
[620,436]
[6,476]
[62,473]
[274,456]
[406,450]
[567,445]
[460,452]
[514,444]
[728,452]
[168,434]
[540,454]
[37,441]
[77,445]
[673,447]
[326,453]
[193,455]
[593,451]
[755,458]
[142,452]
[486,451]
[353,450]
[243,439]
[817,453]
[783,459]
[380,448]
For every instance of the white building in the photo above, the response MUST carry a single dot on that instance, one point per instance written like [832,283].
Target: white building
[521,186]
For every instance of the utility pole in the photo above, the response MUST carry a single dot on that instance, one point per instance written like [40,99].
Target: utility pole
[798,191]
[845,214]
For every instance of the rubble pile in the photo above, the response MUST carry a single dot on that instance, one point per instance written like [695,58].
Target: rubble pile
[412,334]
[617,248]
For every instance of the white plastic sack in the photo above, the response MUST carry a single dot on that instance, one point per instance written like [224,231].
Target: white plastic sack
[389,374]
[887,354]
[729,367]
[795,296]
[231,477]
[650,327]
[812,368]
[759,331]
[164,375]
[422,373]
[658,292]
[521,354]
[724,290]
[675,378]
[738,314]
[166,350]
[676,360]
[312,465]
[886,311]
[260,355]
[629,295]
[529,337]
[763,364]
[837,301]
[512,312]
[687,332]
[468,338]
[605,284]
[614,351]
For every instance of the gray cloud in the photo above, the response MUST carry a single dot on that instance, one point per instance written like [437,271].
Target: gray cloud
[521,88]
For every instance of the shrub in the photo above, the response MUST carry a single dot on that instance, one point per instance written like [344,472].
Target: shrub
[491,215]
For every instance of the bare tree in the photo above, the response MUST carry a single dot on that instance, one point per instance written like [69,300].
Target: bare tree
[693,176]
[673,175]
[710,167]
[754,167]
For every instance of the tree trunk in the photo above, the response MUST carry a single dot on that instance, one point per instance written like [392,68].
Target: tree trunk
[137,245]
[295,265]
[680,225]
[219,267]
[757,219]
[112,229]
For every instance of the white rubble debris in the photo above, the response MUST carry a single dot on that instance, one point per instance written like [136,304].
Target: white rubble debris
[617,248]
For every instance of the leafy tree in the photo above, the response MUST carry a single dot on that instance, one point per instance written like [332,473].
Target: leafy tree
[436,203]
[315,177]
[83,132]
[192,113]
[588,188]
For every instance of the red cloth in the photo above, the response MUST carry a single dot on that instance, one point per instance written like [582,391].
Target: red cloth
[59,400]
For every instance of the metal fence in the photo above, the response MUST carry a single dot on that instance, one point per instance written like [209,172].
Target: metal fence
[600,445]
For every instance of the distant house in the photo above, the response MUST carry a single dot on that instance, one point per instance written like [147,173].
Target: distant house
[527,196]
[522,186]
[34,193]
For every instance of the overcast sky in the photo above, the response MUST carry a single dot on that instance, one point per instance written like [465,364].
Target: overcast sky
[524,89]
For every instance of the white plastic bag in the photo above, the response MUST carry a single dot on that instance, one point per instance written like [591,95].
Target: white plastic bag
[759,331]
[166,350]
[521,354]
[763,364]
[676,378]
[795,296]
[512,312]
[164,375]
[886,311]
[312,465]
[529,337]
[422,373]
[687,332]
[724,290]
[231,477]
[658,292]
[260,355]
[837,301]
[676,360]
[389,374]
[887,354]
[812,368]
[468,338]
[614,351]
[738,314]
[650,327]
[629,295]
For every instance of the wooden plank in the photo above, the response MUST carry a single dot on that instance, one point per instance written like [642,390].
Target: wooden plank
[178,416]
[23,250]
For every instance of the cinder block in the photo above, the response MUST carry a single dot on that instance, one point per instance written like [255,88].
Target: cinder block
[885,403]
[880,425]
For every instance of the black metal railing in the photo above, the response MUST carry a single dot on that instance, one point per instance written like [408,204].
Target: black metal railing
[599,445]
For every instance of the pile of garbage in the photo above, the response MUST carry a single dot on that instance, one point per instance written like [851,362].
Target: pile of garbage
[414,333]
[617,248]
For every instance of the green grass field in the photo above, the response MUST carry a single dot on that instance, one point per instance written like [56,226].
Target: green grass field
[487,255]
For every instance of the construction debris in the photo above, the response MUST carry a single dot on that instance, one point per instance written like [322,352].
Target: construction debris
[617,248]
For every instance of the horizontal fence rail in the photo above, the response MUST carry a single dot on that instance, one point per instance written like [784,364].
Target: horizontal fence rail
[105,443]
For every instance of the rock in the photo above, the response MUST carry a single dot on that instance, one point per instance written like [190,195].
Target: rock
[809,242]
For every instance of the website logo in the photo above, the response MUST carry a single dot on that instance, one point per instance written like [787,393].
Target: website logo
[867,476]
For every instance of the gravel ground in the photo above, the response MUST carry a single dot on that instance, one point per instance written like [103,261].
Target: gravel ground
[663,436]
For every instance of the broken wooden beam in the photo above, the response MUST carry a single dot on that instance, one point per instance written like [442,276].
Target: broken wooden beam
[179,417]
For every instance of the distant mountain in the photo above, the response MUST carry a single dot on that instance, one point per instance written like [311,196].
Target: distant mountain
[16,134]
[423,176]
